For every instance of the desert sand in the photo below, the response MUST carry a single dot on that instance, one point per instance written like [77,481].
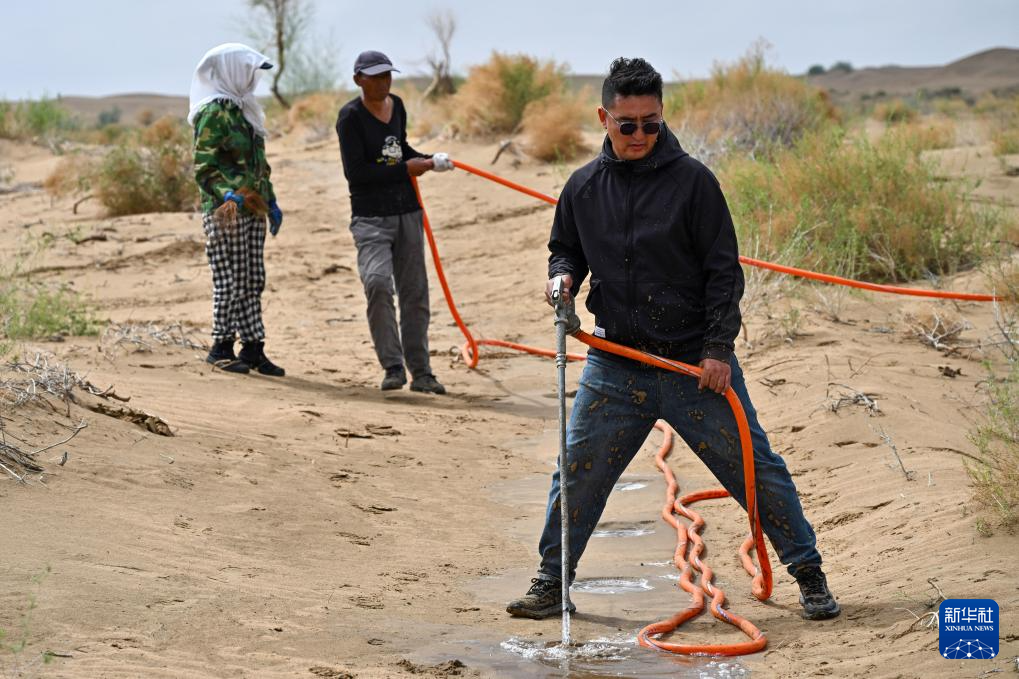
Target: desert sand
[314,526]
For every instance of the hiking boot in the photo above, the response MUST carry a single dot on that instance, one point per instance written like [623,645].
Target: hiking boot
[427,384]
[395,378]
[253,354]
[222,356]
[815,597]
[543,600]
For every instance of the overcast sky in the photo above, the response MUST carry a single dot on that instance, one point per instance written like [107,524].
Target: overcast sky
[99,47]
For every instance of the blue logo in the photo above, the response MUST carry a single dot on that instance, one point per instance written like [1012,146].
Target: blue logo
[968,629]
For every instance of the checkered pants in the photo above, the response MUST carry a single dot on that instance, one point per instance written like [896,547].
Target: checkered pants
[238,277]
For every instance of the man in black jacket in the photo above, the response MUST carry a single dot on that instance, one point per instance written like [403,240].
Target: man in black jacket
[386,222]
[652,227]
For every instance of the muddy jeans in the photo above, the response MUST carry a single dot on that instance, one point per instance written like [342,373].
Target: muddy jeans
[616,406]
[392,249]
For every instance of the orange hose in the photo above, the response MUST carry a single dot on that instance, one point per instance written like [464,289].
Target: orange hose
[781,268]
[687,535]
[864,285]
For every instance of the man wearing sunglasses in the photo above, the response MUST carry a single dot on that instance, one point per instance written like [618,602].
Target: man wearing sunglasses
[652,227]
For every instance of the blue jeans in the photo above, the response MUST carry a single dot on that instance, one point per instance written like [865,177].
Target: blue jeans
[616,406]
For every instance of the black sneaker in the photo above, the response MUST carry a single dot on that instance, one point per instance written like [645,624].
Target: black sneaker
[543,600]
[815,597]
[253,354]
[427,384]
[395,378]
[222,356]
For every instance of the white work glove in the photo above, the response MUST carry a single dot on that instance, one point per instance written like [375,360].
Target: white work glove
[441,162]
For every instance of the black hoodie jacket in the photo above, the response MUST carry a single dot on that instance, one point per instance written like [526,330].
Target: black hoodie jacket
[658,240]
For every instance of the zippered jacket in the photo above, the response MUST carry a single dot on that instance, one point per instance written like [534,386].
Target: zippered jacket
[658,240]
[229,155]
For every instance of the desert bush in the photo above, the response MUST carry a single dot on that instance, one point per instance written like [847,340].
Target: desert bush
[496,94]
[1004,126]
[926,134]
[39,120]
[876,205]
[31,310]
[153,174]
[109,117]
[748,107]
[995,477]
[895,111]
[72,176]
[316,113]
[145,117]
[553,125]
[148,170]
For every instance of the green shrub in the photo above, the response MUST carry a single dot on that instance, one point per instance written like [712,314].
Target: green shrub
[870,210]
[495,95]
[748,108]
[34,120]
[1004,123]
[147,170]
[894,112]
[996,477]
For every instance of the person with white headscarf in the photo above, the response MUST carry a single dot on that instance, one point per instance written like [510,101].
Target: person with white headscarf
[237,195]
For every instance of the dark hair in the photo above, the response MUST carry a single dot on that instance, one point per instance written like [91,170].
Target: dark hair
[630,78]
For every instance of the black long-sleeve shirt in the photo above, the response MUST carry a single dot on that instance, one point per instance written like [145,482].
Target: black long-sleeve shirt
[375,156]
[658,240]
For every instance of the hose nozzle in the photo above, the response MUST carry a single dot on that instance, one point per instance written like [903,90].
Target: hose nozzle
[562,300]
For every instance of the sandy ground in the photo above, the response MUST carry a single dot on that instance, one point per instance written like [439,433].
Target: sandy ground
[312,526]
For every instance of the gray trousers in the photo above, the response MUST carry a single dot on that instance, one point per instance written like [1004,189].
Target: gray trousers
[391,249]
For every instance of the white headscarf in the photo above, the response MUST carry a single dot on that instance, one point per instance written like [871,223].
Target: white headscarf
[229,71]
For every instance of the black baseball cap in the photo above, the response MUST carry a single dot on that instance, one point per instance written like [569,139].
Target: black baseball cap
[373,63]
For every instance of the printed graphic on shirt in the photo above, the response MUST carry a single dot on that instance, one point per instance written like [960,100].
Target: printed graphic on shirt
[391,151]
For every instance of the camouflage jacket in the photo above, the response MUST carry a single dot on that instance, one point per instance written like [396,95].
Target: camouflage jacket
[228,154]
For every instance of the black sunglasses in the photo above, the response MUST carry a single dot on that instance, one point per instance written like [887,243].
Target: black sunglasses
[629,128]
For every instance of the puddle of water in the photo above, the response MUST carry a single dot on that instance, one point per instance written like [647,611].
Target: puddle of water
[623,487]
[617,656]
[610,585]
[622,529]
[670,576]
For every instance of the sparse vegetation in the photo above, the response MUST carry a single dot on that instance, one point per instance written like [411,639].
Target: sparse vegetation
[146,171]
[33,310]
[496,94]
[13,659]
[1005,127]
[748,108]
[895,111]
[553,127]
[996,477]
[41,121]
[876,205]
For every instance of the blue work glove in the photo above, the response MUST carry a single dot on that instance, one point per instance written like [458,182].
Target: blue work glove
[235,197]
[275,217]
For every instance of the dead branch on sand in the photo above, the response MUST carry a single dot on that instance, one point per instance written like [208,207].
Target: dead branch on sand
[146,337]
[40,377]
[13,459]
[936,332]
[910,475]
[850,396]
